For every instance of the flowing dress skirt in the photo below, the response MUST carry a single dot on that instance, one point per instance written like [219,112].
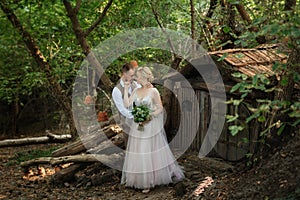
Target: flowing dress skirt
[149,160]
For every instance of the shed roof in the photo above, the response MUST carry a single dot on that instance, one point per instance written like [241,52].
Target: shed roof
[247,61]
[252,61]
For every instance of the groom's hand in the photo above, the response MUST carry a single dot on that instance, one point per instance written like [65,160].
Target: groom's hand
[127,85]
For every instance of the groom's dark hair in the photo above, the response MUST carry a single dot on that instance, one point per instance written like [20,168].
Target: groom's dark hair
[126,67]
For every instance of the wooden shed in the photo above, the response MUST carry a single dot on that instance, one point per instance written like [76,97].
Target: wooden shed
[247,61]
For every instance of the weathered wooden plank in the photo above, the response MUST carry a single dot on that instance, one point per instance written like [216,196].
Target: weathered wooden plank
[231,140]
[202,118]
[221,146]
[228,147]
[198,136]
[242,147]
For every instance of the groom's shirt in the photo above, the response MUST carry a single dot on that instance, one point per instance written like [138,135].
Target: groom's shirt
[118,98]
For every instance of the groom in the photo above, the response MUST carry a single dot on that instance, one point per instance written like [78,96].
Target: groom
[125,116]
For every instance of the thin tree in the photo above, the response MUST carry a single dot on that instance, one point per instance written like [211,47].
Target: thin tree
[285,91]
[82,35]
[167,100]
[54,88]
[193,31]
[245,16]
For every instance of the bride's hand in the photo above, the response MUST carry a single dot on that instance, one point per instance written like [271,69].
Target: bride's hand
[149,85]
[153,115]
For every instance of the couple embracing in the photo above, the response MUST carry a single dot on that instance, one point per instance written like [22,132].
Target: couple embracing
[148,160]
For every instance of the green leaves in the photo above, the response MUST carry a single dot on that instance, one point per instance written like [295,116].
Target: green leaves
[264,110]
[49,26]
[235,129]
[240,75]
[226,29]
[284,81]
[236,87]
[295,113]
[234,2]
[280,130]
[231,118]
[223,57]
[235,102]
[277,66]
[259,82]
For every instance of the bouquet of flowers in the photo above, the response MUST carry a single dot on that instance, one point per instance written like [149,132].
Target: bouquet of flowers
[141,115]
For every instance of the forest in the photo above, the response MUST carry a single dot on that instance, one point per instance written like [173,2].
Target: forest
[44,48]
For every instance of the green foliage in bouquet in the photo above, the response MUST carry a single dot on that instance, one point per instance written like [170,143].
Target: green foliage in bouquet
[141,115]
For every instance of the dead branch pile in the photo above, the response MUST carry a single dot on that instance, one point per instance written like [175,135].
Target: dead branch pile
[84,158]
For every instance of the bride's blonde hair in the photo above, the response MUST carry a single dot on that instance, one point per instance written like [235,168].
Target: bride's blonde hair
[146,73]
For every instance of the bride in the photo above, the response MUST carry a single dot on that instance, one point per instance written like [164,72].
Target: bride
[148,160]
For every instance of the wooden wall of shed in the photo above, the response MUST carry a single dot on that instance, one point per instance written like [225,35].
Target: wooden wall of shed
[184,121]
[228,147]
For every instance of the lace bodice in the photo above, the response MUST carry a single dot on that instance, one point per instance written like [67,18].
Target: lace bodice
[147,100]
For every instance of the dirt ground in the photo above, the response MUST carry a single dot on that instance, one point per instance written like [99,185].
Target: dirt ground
[277,177]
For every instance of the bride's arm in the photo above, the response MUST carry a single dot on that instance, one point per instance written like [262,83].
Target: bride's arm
[157,102]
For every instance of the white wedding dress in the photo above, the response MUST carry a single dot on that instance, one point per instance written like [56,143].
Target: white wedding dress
[149,160]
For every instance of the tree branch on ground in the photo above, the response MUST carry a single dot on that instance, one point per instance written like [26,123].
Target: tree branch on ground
[35,140]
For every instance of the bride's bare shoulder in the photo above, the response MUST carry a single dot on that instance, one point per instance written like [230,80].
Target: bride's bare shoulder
[154,90]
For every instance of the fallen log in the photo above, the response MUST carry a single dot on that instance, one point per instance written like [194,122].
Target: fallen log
[59,160]
[100,178]
[66,174]
[99,153]
[50,137]
[71,174]
[88,141]
[109,146]
[83,158]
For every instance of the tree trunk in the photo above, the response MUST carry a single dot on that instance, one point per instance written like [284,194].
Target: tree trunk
[54,88]
[284,93]
[81,37]
[293,65]
[241,9]
[35,140]
[230,21]
[289,4]
[192,19]
[167,99]
[245,16]
[212,6]
[35,52]
[15,114]
[207,26]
